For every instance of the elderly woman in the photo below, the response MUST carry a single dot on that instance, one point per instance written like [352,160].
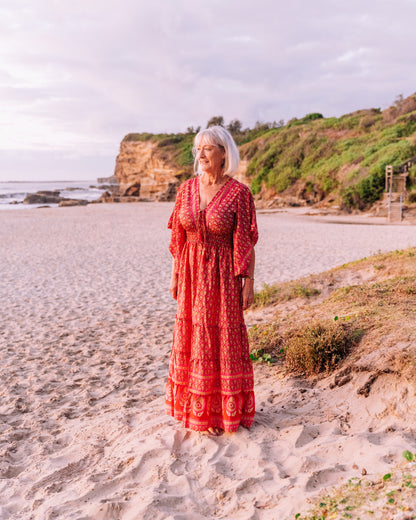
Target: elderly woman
[210,384]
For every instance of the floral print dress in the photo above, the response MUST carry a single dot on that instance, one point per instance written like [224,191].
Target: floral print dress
[210,381]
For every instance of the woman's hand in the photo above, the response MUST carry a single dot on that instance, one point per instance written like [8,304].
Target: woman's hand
[173,288]
[247,293]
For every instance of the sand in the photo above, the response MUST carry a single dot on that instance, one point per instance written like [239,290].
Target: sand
[85,332]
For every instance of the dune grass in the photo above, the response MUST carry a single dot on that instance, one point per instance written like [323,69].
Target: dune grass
[286,291]
[315,339]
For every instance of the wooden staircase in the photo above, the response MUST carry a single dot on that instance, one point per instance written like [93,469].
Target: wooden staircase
[395,212]
[396,178]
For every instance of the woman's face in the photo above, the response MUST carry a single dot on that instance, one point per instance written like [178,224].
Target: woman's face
[210,157]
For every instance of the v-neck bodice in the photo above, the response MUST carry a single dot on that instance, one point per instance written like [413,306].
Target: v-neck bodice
[198,180]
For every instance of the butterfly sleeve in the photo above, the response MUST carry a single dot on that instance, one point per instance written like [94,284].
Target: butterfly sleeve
[178,236]
[245,232]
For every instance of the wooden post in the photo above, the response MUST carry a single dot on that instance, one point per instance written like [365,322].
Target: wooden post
[389,177]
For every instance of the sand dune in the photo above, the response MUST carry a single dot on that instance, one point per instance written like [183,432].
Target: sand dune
[85,333]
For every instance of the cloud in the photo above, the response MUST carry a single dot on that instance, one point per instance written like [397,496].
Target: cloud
[80,75]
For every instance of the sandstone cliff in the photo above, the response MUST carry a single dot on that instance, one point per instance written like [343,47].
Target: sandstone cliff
[143,171]
[146,170]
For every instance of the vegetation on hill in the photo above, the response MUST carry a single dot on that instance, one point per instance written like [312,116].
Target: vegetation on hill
[336,160]
[340,158]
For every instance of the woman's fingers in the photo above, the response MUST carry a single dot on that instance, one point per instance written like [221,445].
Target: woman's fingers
[174,292]
[247,296]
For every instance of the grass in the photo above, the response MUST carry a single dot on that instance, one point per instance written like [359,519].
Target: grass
[362,498]
[310,348]
[319,346]
[315,334]
[271,294]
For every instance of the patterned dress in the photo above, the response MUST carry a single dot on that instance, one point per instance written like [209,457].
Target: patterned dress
[210,381]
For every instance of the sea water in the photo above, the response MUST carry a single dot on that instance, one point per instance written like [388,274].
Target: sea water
[12,194]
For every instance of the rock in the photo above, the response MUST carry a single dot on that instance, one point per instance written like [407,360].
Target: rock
[142,171]
[108,187]
[169,194]
[43,197]
[107,180]
[72,202]
[49,192]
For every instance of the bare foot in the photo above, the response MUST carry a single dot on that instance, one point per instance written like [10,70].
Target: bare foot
[215,432]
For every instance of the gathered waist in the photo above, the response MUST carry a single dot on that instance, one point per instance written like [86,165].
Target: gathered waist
[210,240]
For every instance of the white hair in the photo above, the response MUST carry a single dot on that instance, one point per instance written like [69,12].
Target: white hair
[218,135]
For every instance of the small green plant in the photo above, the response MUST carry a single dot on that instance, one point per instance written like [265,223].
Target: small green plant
[260,356]
[410,457]
[265,343]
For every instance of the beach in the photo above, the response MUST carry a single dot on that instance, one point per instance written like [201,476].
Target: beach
[85,334]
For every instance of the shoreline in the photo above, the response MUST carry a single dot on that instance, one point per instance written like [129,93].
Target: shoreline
[318,215]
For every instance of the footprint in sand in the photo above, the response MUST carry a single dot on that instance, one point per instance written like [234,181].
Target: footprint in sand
[324,478]
[307,435]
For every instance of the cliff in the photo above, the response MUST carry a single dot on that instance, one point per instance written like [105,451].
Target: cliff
[333,161]
[151,166]
[148,167]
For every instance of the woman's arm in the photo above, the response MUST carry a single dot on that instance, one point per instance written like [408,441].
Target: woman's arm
[248,287]
[173,287]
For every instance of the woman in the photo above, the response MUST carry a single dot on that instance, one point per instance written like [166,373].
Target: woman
[210,384]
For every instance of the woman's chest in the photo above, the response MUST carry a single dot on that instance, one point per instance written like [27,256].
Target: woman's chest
[218,213]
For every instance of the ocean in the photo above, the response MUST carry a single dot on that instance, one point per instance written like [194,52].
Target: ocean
[12,194]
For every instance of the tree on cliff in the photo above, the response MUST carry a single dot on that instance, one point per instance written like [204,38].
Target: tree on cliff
[235,126]
[216,121]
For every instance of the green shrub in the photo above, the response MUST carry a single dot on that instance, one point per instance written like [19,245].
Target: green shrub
[313,116]
[257,182]
[144,136]
[319,346]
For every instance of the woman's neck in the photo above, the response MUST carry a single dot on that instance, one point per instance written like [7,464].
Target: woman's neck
[209,178]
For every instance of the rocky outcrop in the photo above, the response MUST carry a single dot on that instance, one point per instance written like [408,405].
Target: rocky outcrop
[142,171]
[72,202]
[52,197]
[43,197]
[107,180]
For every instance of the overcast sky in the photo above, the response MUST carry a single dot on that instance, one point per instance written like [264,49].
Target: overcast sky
[76,76]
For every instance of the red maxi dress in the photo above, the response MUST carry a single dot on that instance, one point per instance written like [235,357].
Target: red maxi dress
[210,381]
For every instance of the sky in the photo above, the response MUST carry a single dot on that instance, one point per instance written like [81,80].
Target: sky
[77,76]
